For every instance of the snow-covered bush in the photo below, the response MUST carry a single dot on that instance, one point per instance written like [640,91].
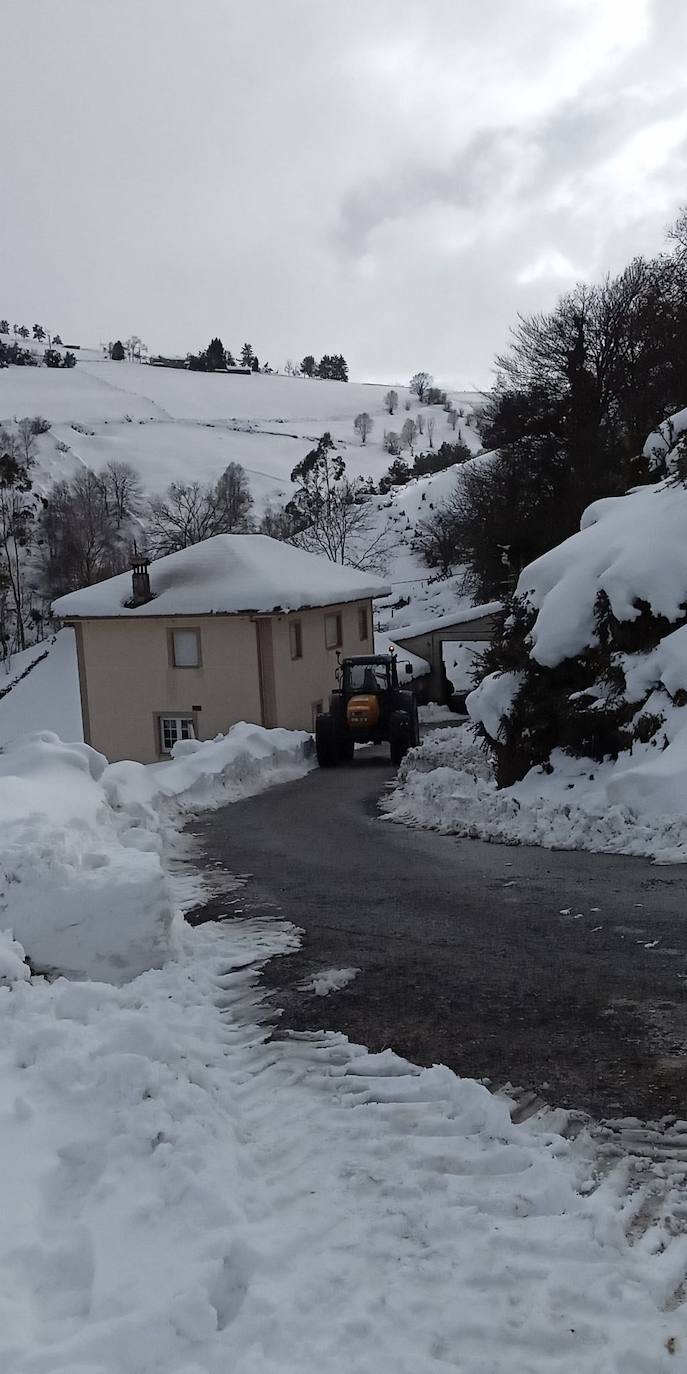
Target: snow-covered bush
[592,656]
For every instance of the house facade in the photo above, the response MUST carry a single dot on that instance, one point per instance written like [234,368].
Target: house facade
[155,672]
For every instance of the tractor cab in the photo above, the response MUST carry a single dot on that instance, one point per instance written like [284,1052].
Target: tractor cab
[375,673]
[368,707]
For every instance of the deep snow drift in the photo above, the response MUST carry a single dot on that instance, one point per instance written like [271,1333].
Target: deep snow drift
[83,885]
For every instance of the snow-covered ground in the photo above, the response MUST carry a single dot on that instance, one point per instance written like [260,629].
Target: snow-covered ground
[179,1193]
[175,425]
[46,697]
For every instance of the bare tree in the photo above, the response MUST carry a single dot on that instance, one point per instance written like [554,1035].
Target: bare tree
[26,441]
[362,425]
[409,434]
[420,422]
[233,498]
[391,401]
[18,505]
[135,349]
[430,430]
[392,442]
[452,417]
[420,384]
[190,512]
[81,540]
[123,491]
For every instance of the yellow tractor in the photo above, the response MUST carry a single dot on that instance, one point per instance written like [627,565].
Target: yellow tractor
[368,707]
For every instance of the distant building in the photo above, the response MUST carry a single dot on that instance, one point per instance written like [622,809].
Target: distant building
[241,627]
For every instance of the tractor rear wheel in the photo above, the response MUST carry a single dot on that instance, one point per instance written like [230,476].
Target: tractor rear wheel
[399,736]
[327,744]
[346,747]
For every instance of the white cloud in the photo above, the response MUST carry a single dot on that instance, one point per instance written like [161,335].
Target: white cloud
[551,265]
[393,181]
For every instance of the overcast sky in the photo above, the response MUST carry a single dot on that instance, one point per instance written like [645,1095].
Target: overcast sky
[389,179]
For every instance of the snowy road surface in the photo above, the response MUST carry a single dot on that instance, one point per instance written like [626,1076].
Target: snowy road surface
[188,1198]
[563,972]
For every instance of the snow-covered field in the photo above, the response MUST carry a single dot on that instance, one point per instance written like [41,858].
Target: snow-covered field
[174,425]
[181,1194]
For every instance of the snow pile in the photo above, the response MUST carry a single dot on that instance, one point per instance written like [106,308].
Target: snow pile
[181,1193]
[13,966]
[329,980]
[82,880]
[612,808]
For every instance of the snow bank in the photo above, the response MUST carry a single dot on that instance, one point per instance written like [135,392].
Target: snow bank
[82,880]
[637,805]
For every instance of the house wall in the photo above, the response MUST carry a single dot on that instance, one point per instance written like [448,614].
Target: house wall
[129,681]
[302,682]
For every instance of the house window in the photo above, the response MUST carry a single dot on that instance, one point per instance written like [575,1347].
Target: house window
[333,636]
[173,728]
[316,711]
[296,638]
[185,648]
[363,626]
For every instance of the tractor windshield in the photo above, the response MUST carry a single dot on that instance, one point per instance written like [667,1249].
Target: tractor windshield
[366,677]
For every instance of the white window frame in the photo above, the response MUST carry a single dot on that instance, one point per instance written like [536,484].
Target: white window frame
[187,719]
[337,641]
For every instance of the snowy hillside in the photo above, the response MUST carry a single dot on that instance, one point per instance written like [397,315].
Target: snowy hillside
[173,425]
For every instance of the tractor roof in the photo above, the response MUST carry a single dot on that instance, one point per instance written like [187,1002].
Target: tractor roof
[369,658]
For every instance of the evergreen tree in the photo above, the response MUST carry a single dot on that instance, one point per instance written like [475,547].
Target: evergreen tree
[308,365]
[215,356]
[247,355]
[117,353]
[255,365]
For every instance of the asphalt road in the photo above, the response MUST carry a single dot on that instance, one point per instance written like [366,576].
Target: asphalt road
[564,973]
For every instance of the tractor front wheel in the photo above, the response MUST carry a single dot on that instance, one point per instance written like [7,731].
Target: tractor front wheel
[399,736]
[327,745]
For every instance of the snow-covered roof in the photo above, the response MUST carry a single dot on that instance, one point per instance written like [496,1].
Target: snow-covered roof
[461,616]
[227,575]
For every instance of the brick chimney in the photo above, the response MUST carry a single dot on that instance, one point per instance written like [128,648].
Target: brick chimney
[140,579]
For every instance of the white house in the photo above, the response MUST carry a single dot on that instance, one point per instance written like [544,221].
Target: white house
[240,627]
